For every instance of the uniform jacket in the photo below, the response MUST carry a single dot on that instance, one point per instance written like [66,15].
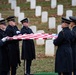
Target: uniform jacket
[64,61]
[28,48]
[14,52]
[4,54]
[74,48]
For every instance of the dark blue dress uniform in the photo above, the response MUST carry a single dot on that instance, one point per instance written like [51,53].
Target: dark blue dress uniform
[4,53]
[73,19]
[28,48]
[63,60]
[14,53]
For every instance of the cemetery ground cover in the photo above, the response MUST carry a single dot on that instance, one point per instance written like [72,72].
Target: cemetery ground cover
[42,63]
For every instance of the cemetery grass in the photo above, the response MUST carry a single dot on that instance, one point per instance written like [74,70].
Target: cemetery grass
[40,64]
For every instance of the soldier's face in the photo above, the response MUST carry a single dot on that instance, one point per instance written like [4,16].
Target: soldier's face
[72,24]
[64,25]
[3,27]
[12,23]
[26,24]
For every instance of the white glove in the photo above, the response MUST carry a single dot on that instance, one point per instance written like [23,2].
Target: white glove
[17,32]
[53,38]
[4,39]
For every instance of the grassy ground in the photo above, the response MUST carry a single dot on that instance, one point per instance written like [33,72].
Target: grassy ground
[42,63]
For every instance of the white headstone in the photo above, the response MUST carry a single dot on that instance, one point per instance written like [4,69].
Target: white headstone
[49,48]
[44,17]
[69,13]
[38,11]
[9,1]
[32,4]
[53,3]
[47,0]
[40,31]
[52,23]
[40,41]
[20,17]
[16,11]
[34,28]
[13,4]
[60,10]
[73,2]
[59,28]
[0,15]
[27,0]
[1,18]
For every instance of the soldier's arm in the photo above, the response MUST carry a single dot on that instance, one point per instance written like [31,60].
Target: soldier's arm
[3,40]
[59,39]
[74,33]
[9,32]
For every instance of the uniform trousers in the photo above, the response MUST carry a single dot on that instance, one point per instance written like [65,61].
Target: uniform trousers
[4,72]
[13,70]
[28,66]
[74,72]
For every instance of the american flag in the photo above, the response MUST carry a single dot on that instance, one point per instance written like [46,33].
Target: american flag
[35,36]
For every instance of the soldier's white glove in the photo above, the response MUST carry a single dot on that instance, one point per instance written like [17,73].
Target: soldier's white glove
[53,38]
[4,39]
[17,32]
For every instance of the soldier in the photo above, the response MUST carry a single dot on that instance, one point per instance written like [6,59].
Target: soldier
[63,61]
[28,48]
[73,26]
[4,55]
[14,53]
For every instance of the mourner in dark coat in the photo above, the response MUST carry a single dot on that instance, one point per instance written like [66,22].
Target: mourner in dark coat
[4,55]
[73,26]
[28,48]
[14,52]
[64,61]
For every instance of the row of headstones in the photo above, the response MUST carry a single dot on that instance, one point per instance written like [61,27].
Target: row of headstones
[51,21]
[53,3]
[38,8]
[44,14]
[16,9]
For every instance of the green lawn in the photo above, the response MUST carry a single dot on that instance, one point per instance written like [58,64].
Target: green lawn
[40,64]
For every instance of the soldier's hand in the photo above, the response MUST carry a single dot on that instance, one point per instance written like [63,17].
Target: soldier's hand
[9,38]
[4,39]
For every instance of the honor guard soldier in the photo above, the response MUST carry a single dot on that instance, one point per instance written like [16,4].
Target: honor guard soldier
[14,52]
[73,26]
[63,60]
[4,55]
[28,48]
